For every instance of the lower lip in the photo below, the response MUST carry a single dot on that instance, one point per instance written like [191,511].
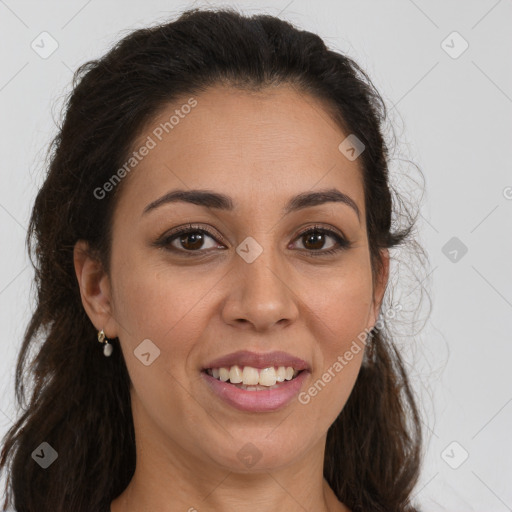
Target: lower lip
[257,401]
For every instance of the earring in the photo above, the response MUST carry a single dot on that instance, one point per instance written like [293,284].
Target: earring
[107,348]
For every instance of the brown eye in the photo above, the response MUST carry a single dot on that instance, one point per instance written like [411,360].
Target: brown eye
[192,240]
[314,241]
[189,240]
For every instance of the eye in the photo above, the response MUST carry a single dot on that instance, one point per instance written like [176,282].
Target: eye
[314,239]
[189,239]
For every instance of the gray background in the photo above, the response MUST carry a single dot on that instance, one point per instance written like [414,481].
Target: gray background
[452,116]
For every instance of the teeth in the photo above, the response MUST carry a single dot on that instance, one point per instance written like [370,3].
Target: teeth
[249,376]
[235,374]
[281,374]
[268,376]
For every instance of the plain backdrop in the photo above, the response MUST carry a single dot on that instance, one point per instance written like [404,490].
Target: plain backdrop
[444,70]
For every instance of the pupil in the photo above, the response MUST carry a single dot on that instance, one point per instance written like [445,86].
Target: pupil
[196,238]
[315,238]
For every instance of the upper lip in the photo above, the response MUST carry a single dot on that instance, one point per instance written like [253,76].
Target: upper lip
[264,360]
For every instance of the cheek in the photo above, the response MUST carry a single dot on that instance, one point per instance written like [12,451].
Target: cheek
[168,306]
[341,304]
[150,299]
[341,308]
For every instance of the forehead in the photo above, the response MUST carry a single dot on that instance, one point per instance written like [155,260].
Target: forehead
[254,146]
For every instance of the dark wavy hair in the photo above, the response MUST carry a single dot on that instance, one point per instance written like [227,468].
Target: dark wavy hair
[80,400]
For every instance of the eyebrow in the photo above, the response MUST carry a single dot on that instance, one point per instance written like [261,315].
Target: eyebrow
[210,199]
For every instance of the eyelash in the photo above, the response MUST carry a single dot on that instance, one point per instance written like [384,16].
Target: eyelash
[165,241]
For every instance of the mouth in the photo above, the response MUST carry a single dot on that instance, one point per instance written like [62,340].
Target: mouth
[249,378]
[254,382]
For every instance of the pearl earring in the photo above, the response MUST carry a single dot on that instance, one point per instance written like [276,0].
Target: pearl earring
[107,348]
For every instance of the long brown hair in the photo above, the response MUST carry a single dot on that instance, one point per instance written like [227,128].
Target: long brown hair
[80,400]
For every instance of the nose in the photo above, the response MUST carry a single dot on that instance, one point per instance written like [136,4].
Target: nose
[260,295]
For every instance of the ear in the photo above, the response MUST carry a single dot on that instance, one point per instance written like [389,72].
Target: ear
[95,289]
[379,287]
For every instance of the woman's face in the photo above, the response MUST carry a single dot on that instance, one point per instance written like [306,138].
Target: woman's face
[252,283]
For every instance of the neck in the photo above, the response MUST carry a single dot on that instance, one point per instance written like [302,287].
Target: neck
[168,481]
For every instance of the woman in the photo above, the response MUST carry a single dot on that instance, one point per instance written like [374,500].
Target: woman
[217,214]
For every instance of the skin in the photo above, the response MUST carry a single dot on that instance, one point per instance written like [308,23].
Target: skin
[261,149]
